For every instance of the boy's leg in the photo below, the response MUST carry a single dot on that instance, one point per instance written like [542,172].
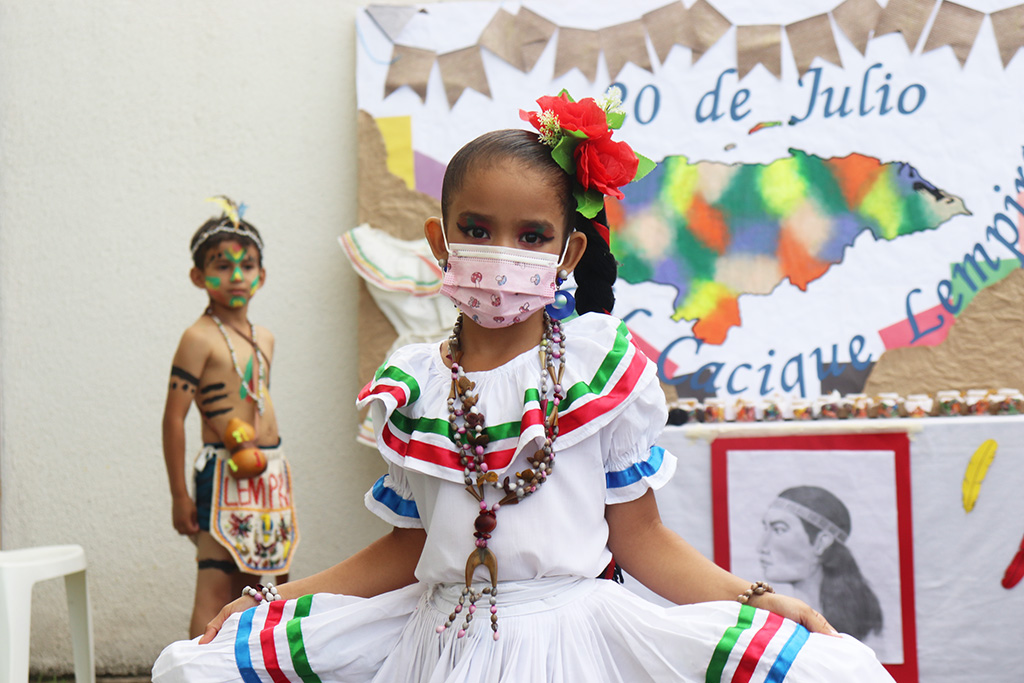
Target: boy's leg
[215,582]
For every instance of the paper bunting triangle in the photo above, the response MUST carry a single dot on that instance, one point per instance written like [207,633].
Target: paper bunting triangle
[856,19]
[577,48]
[501,36]
[707,27]
[956,26]
[907,17]
[534,33]
[668,26]
[1008,25]
[460,70]
[409,66]
[812,38]
[391,19]
[625,43]
[759,45]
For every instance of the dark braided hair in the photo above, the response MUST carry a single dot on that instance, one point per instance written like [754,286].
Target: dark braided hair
[595,274]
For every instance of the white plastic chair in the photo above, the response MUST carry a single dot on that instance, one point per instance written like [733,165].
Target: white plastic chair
[19,571]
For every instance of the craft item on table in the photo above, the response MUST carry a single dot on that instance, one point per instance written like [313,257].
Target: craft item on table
[247,460]
[1009,402]
[918,405]
[949,403]
[977,468]
[746,410]
[685,410]
[802,409]
[859,405]
[772,412]
[714,410]
[831,407]
[977,401]
[888,405]
[1015,570]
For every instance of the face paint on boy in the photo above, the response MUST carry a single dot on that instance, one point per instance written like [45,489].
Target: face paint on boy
[235,265]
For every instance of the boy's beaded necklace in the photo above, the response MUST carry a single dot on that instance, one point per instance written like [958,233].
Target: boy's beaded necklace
[254,387]
[468,428]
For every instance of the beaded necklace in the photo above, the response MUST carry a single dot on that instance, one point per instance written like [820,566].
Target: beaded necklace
[467,426]
[254,387]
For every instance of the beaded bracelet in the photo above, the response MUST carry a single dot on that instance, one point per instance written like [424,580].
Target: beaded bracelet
[268,593]
[758,588]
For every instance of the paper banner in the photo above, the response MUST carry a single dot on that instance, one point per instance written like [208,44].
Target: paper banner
[707,26]
[759,45]
[502,38]
[534,33]
[812,38]
[956,26]
[391,19]
[1008,25]
[460,70]
[409,66]
[625,43]
[577,48]
[857,18]
[666,27]
[907,17]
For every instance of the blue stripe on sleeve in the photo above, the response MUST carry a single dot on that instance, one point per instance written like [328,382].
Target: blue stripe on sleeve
[242,659]
[394,502]
[785,658]
[637,471]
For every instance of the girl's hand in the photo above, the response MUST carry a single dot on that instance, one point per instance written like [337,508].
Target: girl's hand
[184,516]
[797,610]
[213,628]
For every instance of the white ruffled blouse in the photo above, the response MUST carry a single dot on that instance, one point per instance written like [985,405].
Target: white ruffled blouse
[605,452]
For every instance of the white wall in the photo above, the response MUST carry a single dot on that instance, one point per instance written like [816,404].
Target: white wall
[118,118]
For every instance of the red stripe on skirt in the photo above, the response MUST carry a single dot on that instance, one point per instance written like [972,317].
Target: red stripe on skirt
[756,648]
[267,642]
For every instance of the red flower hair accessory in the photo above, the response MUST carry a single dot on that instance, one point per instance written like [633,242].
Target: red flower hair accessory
[580,137]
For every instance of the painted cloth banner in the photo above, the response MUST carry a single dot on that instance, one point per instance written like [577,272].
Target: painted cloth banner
[839,183]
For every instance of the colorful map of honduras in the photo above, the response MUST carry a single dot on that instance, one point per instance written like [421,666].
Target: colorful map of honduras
[716,231]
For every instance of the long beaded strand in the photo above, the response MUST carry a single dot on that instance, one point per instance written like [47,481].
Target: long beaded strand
[255,388]
[471,440]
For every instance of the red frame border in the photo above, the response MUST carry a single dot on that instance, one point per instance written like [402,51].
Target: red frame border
[899,444]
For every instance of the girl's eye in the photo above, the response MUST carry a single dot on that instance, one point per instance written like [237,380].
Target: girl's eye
[473,231]
[535,238]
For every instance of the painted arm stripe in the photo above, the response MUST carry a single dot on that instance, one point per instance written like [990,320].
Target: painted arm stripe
[721,655]
[755,650]
[295,643]
[242,659]
[786,656]
[394,502]
[636,471]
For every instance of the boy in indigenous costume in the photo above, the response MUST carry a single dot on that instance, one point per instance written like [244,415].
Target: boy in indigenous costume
[241,516]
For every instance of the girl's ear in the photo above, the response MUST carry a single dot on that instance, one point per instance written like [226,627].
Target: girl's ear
[197,278]
[574,250]
[434,233]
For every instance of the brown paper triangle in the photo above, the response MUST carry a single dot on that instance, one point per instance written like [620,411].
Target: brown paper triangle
[707,27]
[625,43]
[534,33]
[956,26]
[856,19]
[501,36]
[812,38]
[759,45]
[577,48]
[666,27]
[409,66]
[1008,25]
[463,69]
[907,17]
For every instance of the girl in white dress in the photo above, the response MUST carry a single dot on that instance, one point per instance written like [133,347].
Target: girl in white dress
[521,457]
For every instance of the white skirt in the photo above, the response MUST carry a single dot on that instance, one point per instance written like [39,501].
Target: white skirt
[561,630]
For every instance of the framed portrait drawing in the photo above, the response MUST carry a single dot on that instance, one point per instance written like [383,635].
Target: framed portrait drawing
[825,518]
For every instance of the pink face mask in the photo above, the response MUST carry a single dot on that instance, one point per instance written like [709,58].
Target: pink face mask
[499,286]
